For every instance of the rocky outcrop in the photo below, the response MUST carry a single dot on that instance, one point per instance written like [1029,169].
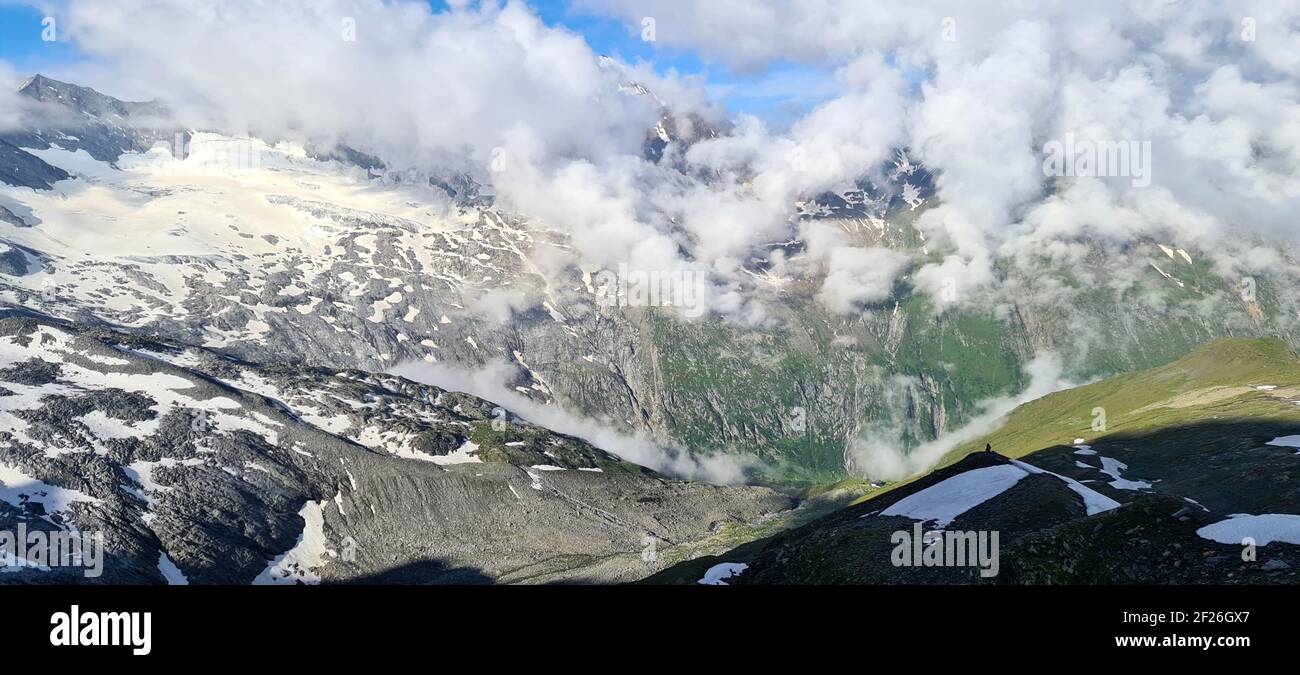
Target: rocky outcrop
[236,473]
[23,169]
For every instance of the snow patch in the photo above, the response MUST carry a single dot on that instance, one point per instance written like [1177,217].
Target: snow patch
[1263,529]
[462,455]
[18,488]
[170,572]
[718,574]
[1285,442]
[944,501]
[299,563]
[1112,467]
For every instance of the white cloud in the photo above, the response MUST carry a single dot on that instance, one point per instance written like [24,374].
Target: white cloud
[878,452]
[489,382]
[9,100]
[1211,86]
[489,87]
[414,85]
[856,276]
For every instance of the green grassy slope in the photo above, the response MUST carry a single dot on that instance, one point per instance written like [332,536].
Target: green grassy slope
[1195,432]
[1216,382]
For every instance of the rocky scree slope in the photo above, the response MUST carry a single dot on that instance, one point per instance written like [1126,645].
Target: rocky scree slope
[231,472]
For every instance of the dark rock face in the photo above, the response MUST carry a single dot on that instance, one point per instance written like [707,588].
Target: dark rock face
[235,473]
[438,442]
[349,155]
[23,169]
[7,216]
[16,261]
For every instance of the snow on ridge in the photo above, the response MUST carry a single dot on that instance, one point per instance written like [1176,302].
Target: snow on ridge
[943,502]
[168,391]
[951,497]
[1094,502]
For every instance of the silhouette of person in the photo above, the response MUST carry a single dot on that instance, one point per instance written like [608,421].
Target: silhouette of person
[988,447]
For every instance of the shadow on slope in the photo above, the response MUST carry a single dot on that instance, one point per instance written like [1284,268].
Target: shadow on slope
[424,572]
[1169,483]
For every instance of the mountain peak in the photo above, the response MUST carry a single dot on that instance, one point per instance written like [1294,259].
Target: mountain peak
[103,126]
[33,85]
[39,82]
[34,79]
[85,99]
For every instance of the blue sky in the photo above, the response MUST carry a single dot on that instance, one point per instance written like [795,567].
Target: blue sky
[780,95]
[21,44]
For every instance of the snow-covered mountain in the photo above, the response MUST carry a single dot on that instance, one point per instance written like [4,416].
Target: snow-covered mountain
[274,252]
[200,323]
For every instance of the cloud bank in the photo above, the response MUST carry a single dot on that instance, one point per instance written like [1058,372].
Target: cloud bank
[10,112]
[975,93]
[1211,86]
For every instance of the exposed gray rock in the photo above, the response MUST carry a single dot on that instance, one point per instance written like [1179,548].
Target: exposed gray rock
[10,217]
[23,169]
[15,261]
[225,466]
